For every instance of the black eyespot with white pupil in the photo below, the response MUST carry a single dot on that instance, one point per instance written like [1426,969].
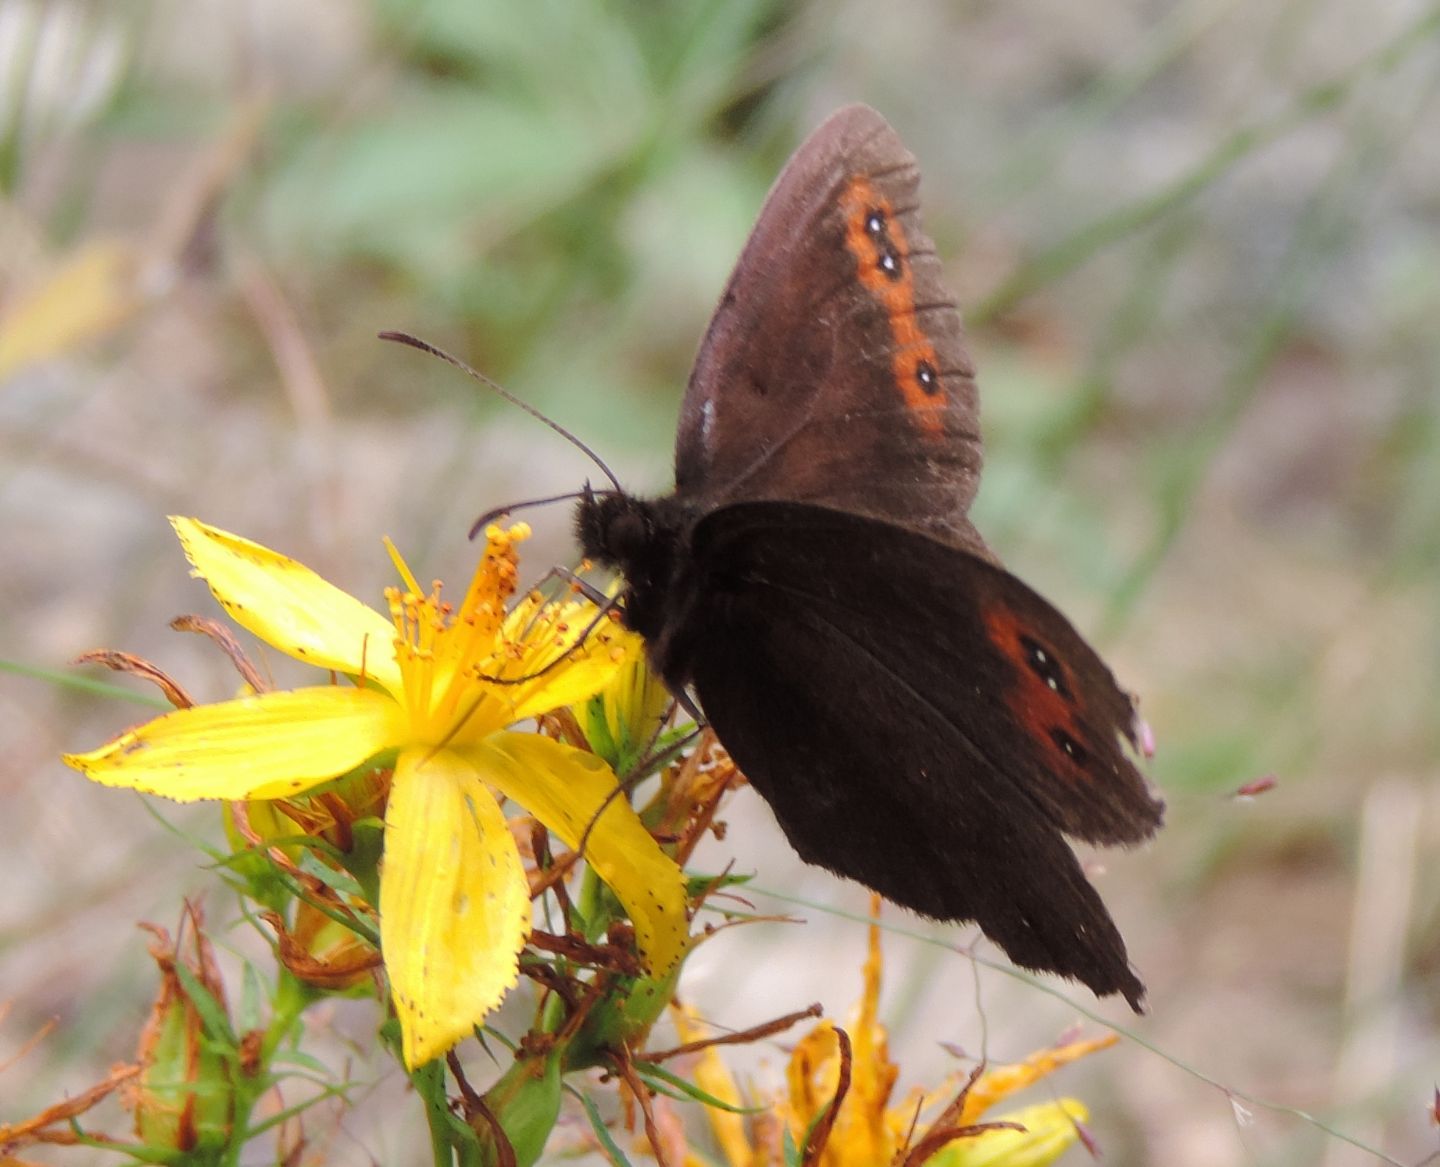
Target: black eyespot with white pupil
[928,378]
[887,256]
[1044,665]
[1069,747]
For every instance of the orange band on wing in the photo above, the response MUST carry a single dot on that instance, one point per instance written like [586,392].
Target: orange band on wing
[874,237]
[1042,697]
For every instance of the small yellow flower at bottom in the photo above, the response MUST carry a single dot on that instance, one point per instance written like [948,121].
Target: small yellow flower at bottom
[1050,1129]
[435,690]
[868,1128]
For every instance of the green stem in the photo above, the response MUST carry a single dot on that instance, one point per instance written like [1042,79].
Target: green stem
[429,1083]
[592,892]
[287,1006]
[291,1000]
[592,925]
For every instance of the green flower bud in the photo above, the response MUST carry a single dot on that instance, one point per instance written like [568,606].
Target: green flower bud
[184,1099]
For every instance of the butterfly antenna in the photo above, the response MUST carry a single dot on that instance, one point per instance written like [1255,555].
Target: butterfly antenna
[509,508]
[427,347]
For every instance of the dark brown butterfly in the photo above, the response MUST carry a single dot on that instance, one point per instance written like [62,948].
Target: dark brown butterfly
[918,718]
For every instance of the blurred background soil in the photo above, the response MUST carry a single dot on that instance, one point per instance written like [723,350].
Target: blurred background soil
[1198,248]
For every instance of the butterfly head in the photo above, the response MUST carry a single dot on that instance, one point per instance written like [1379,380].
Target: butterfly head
[613,529]
[641,538]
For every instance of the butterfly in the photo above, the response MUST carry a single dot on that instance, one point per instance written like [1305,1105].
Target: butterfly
[917,718]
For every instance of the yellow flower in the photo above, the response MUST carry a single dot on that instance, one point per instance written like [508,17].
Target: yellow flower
[867,1130]
[623,720]
[454,903]
[1048,1129]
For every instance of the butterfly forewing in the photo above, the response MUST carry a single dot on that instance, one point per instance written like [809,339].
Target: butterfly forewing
[834,370]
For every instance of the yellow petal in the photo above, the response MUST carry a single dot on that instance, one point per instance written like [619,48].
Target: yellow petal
[1049,1132]
[712,1076]
[996,1083]
[288,606]
[268,746]
[553,631]
[454,903]
[811,1076]
[565,789]
[873,1074]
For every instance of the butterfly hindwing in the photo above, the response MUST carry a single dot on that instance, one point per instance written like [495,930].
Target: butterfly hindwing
[839,667]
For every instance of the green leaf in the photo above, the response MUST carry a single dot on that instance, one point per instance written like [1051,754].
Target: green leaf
[658,1078]
[790,1150]
[446,162]
[602,1132]
[212,1013]
[252,995]
[65,679]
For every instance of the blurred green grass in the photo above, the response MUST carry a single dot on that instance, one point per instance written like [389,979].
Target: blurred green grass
[1198,258]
